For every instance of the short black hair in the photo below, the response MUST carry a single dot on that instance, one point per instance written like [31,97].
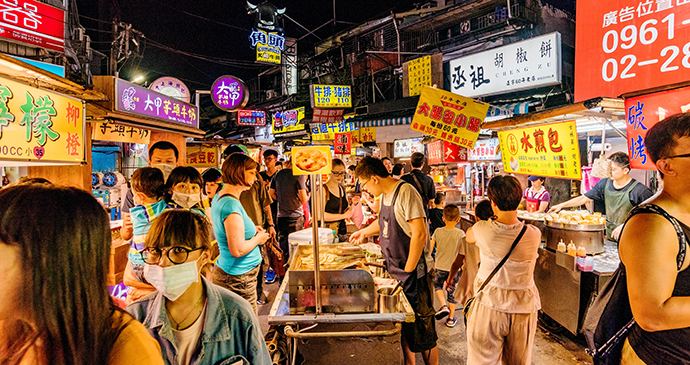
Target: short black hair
[211,175]
[621,159]
[164,145]
[417,159]
[505,191]
[279,163]
[370,166]
[663,136]
[270,153]
[150,181]
[397,169]
[385,158]
[232,149]
[440,196]
[352,167]
[483,210]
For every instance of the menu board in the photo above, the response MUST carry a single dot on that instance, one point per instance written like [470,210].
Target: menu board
[331,96]
[485,149]
[406,147]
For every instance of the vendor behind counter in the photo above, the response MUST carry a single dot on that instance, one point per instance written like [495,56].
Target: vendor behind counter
[620,194]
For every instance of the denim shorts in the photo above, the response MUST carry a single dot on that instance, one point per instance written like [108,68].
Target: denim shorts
[440,280]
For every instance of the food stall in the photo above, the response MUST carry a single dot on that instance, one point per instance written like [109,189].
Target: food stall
[330,311]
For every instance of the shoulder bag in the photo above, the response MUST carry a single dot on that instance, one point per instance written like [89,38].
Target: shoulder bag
[466,308]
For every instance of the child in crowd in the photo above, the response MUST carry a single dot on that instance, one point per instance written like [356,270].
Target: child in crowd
[183,189]
[436,213]
[451,244]
[193,320]
[148,186]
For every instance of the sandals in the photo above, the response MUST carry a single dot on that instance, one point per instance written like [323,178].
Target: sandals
[451,322]
[442,313]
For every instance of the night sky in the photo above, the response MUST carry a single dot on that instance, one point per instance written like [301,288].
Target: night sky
[214,28]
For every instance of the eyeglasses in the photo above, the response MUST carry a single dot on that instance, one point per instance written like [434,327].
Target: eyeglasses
[338,173]
[176,255]
[365,184]
[680,156]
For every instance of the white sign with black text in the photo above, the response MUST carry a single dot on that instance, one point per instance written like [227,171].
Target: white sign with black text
[522,65]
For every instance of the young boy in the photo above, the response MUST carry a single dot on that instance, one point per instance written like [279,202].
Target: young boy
[436,213]
[148,187]
[451,244]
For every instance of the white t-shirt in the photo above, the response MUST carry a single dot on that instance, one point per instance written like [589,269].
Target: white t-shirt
[449,243]
[187,339]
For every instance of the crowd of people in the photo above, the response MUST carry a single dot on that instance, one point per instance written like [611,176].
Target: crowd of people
[198,243]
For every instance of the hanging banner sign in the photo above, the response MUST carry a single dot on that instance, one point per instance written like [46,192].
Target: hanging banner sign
[485,149]
[202,156]
[311,160]
[229,93]
[434,151]
[629,45]
[172,87]
[288,121]
[643,112]
[328,115]
[251,117]
[331,96]
[450,117]
[453,153]
[269,46]
[34,23]
[547,150]
[342,143]
[39,125]
[521,65]
[135,99]
[363,135]
[327,131]
[113,132]
[419,74]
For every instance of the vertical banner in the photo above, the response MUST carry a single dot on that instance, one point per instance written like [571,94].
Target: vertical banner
[434,151]
[547,150]
[452,118]
[290,67]
[342,143]
[454,153]
[419,74]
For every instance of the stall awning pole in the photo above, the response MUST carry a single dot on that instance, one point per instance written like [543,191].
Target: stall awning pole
[315,241]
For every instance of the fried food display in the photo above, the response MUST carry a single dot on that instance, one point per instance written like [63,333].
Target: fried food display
[581,217]
[311,160]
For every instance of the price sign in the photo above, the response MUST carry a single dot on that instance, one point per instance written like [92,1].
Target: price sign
[629,45]
[435,152]
[331,96]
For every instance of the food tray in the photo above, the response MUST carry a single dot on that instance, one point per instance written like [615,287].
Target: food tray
[346,255]
[576,227]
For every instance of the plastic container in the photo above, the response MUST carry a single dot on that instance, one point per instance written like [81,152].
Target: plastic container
[572,250]
[581,251]
[561,246]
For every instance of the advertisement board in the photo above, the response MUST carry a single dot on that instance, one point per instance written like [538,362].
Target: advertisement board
[643,112]
[135,99]
[203,156]
[34,23]
[363,135]
[331,96]
[406,147]
[485,149]
[342,144]
[434,152]
[269,46]
[419,74]
[449,117]
[454,153]
[629,45]
[113,132]
[229,93]
[288,121]
[327,131]
[522,65]
[171,86]
[39,125]
[548,150]
[309,160]
[327,115]
[251,117]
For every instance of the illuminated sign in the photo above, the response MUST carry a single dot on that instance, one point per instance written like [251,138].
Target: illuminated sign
[229,93]
[406,147]
[269,46]
[485,149]
[342,143]
[113,132]
[135,99]
[419,74]
[331,96]
[328,115]
[327,131]
[34,23]
[251,117]
[172,87]
[288,121]
[434,152]
[202,156]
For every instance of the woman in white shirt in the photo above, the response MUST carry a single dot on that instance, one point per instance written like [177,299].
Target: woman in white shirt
[503,318]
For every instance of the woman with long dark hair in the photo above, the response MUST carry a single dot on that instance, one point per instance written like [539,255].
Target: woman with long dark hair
[55,308]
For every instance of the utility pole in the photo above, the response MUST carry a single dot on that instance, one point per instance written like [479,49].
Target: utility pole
[113,59]
[120,50]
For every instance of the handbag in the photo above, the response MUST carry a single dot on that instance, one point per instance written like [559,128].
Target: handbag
[276,258]
[609,318]
[468,304]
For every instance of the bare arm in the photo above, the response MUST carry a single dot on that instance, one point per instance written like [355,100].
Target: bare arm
[648,249]
[371,230]
[303,196]
[469,236]
[127,230]
[272,193]
[417,243]
[574,202]
[234,230]
[543,206]
[457,264]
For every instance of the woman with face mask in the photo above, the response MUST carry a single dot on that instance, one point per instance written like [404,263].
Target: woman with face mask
[238,238]
[183,189]
[193,320]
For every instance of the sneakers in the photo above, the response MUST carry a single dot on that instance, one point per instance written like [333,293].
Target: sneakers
[442,313]
[451,322]
[270,276]
[262,299]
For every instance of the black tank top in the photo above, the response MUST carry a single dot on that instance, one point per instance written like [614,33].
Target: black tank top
[665,347]
[333,206]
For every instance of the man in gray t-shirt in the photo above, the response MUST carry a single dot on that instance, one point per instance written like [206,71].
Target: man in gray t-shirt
[290,192]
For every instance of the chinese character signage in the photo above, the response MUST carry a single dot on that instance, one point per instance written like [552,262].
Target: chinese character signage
[434,151]
[34,23]
[172,87]
[454,153]
[309,160]
[364,135]
[419,74]
[630,45]
[547,150]
[485,149]
[113,132]
[229,93]
[328,115]
[406,147]
[135,99]
[522,65]
[342,143]
[251,117]
[39,125]
[450,117]
[643,112]
[327,131]
[288,121]
[202,156]
[290,67]
[331,96]
[269,46]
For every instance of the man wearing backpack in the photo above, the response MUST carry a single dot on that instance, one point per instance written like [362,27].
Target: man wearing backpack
[421,181]
[654,253]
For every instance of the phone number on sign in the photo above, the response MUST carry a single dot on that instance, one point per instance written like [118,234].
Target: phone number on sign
[670,58]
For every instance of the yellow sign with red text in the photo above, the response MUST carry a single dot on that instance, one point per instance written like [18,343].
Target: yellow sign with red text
[547,150]
[113,132]
[449,116]
[39,125]
[309,160]
[204,156]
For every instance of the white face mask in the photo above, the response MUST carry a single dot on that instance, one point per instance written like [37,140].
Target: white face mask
[172,281]
[186,201]
[165,168]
